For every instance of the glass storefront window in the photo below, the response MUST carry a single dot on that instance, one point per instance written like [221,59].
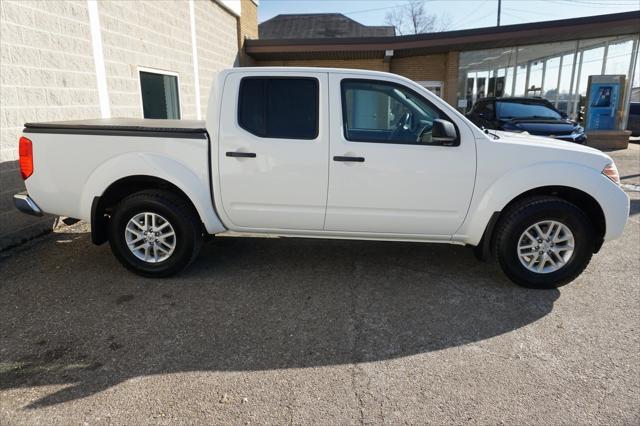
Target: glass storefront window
[508,82]
[521,80]
[558,72]
[636,77]
[591,65]
[566,70]
[550,83]
[619,57]
[534,86]
[482,80]
[485,73]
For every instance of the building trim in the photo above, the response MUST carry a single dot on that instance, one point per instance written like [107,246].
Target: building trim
[194,49]
[231,6]
[98,58]
[474,39]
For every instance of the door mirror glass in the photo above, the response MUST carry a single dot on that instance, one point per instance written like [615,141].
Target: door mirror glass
[444,133]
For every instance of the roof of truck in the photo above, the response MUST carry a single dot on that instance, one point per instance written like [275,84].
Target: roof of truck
[310,69]
[293,70]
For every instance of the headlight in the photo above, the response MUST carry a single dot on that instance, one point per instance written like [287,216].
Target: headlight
[611,171]
[578,131]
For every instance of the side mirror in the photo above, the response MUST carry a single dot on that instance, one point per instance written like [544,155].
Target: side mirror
[564,115]
[444,133]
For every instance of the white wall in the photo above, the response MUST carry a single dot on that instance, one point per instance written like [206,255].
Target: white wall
[47,69]
[46,73]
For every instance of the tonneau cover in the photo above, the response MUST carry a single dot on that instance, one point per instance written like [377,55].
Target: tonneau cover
[142,125]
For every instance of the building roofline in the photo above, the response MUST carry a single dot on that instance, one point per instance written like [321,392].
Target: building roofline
[473,39]
[284,22]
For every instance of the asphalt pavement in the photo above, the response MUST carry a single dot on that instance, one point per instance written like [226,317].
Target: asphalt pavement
[283,330]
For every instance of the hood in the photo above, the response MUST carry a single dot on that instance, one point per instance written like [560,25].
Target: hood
[556,149]
[542,127]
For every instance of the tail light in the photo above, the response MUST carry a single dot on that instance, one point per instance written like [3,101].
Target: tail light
[25,149]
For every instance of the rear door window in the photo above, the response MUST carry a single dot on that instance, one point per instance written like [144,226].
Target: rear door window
[279,107]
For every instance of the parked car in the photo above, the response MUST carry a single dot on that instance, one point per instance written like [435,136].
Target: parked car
[535,116]
[634,118]
[330,153]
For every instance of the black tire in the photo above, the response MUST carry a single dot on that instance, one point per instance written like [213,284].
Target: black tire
[528,212]
[177,211]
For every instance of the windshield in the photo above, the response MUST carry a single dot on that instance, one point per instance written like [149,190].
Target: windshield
[508,110]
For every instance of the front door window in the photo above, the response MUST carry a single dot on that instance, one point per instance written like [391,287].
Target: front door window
[376,111]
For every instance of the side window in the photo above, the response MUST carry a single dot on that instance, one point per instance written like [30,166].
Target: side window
[377,111]
[475,109]
[486,109]
[160,97]
[279,107]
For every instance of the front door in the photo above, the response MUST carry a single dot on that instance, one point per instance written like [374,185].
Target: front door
[273,150]
[386,175]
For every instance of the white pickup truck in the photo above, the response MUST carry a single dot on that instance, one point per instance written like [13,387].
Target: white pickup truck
[330,153]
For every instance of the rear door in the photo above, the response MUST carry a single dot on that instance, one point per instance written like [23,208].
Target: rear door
[273,150]
[386,174]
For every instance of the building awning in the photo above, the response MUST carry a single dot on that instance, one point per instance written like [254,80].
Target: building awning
[423,44]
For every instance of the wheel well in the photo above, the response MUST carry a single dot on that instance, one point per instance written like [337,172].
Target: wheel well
[575,196]
[102,206]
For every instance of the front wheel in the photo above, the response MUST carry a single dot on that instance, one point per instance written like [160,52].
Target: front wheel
[544,242]
[155,233]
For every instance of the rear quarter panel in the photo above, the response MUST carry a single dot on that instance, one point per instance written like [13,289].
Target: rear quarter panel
[70,170]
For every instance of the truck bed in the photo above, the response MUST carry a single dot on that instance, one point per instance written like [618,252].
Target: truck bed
[194,129]
[76,161]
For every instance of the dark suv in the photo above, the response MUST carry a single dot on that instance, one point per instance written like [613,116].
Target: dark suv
[536,116]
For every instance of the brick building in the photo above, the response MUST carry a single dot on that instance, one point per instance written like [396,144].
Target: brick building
[84,59]
[552,59]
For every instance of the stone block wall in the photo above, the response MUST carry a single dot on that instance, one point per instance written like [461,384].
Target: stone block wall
[48,69]
[46,73]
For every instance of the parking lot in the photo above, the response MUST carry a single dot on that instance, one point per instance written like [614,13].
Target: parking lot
[279,330]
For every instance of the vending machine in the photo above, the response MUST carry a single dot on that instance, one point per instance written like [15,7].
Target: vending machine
[604,102]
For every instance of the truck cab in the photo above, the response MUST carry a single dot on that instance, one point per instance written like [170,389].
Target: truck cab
[341,152]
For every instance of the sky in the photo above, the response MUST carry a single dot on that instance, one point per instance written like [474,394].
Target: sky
[461,14]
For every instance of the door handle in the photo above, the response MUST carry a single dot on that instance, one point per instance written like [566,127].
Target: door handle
[345,158]
[237,154]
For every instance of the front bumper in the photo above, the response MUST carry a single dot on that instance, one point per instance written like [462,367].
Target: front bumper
[616,207]
[26,205]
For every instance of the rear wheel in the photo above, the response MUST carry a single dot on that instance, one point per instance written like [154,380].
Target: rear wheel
[544,242]
[155,233]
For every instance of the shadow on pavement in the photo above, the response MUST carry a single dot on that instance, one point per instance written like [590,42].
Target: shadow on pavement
[71,315]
